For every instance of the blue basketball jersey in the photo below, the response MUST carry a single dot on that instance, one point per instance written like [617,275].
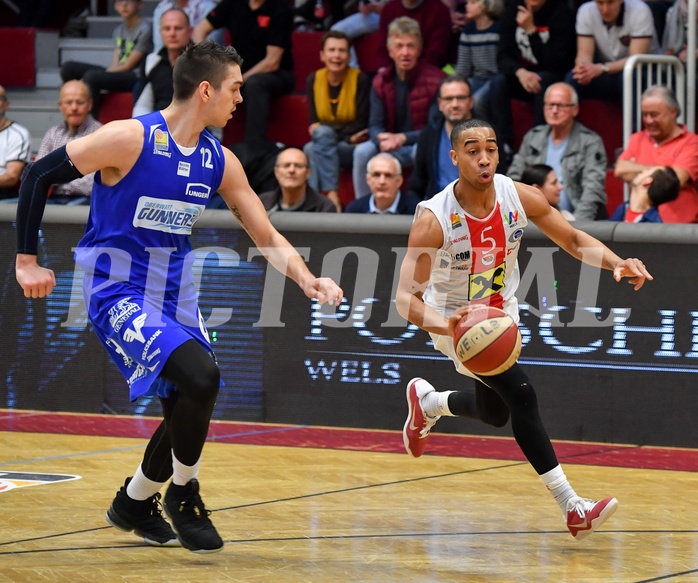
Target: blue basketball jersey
[136,252]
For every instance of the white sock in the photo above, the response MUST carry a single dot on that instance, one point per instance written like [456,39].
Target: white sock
[435,404]
[183,474]
[142,488]
[556,483]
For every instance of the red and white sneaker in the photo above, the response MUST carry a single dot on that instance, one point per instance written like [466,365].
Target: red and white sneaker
[418,424]
[584,516]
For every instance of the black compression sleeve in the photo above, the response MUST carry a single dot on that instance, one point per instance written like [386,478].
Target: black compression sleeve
[54,168]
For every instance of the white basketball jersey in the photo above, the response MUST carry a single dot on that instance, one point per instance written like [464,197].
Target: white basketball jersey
[477,263]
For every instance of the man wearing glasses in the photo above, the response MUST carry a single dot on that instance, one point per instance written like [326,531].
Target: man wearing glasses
[576,153]
[293,192]
[433,168]
[384,178]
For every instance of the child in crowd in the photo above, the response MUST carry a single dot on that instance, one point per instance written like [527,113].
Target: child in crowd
[477,49]
[133,40]
[650,188]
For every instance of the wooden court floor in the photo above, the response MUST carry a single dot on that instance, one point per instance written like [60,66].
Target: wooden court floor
[351,513]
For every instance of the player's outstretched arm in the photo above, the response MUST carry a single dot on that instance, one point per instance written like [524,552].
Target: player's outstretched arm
[252,216]
[578,243]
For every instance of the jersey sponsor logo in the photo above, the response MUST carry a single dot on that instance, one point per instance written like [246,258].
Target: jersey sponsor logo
[120,312]
[183,168]
[11,480]
[168,216]
[455,221]
[461,256]
[486,283]
[198,190]
[515,236]
[147,346]
[131,334]
[459,239]
[141,372]
[116,347]
[512,218]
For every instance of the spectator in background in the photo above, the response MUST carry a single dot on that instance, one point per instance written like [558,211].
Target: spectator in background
[75,104]
[433,167]
[260,30]
[608,32]
[434,21]
[543,177]
[384,177]
[477,49]
[664,142]
[15,151]
[401,97]
[156,89]
[196,10]
[338,100]
[576,153]
[133,41]
[536,48]
[364,21]
[294,193]
[651,188]
[674,39]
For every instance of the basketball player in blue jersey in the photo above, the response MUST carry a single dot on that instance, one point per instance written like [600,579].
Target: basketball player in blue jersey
[154,176]
[468,234]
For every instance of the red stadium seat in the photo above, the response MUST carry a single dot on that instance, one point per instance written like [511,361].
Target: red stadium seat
[366,50]
[614,192]
[306,56]
[116,105]
[288,122]
[18,65]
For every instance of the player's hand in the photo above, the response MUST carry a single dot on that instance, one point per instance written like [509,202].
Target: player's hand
[36,281]
[635,270]
[323,289]
[459,314]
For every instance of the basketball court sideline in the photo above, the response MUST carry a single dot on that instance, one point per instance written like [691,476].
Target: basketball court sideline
[297,503]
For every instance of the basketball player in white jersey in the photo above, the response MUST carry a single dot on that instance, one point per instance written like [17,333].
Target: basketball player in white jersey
[155,174]
[462,251]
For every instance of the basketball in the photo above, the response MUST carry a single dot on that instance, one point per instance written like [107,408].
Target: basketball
[487,341]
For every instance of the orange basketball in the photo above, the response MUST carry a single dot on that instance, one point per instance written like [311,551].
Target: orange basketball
[487,341]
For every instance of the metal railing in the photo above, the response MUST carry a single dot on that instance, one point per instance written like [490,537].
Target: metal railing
[643,71]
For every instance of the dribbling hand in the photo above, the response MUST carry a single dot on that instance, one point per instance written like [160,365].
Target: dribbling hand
[635,270]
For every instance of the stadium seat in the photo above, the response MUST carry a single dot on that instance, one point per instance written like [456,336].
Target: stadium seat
[288,122]
[116,105]
[18,65]
[614,192]
[306,56]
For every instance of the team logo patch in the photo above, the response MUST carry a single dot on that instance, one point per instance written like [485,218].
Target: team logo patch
[162,140]
[11,480]
[455,221]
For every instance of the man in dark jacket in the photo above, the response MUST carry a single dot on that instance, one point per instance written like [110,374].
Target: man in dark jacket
[293,193]
[400,100]
[384,177]
[537,46]
[433,168]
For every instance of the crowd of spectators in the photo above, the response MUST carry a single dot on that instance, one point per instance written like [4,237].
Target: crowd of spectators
[550,53]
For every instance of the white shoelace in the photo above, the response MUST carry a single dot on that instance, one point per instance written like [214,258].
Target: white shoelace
[580,506]
[431,421]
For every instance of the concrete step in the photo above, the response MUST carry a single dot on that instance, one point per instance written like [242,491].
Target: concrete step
[98,51]
[48,79]
[36,110]
[103,26]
